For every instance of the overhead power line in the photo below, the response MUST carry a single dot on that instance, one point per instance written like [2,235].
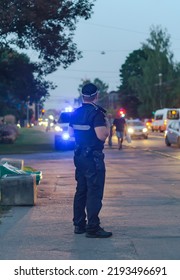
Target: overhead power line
[116,27]
[122,28]
[91,71]
[105,51]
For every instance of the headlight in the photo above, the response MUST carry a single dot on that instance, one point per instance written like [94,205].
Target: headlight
[58,128]
[65,136]
[130,130]
[145,129]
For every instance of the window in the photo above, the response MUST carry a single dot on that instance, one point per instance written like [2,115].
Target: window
[173,114]
[136,123]
[158,117]
[173,125]
[176,126]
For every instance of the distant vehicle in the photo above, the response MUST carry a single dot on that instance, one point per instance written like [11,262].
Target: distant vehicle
[163,117]
[136,128]
[148,123]
[172,134]
[62,139]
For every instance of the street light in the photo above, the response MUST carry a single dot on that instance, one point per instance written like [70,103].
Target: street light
[160,89]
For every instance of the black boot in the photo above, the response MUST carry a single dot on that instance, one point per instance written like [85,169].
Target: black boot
[79,230]
[100,233]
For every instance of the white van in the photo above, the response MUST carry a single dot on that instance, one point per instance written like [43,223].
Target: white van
[163,117]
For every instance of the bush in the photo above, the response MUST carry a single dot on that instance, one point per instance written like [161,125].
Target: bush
[8,133]
[9,119]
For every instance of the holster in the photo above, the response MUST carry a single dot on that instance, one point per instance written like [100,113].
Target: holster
[98,154]
[84,151]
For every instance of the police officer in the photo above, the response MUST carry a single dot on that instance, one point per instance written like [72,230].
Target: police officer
[90,128]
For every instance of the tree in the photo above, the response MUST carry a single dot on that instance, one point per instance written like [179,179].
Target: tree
[158,71]
[150,74]
[128,92]
[19,83]
[44,26]
[174,86]
[132,68]
[103,93]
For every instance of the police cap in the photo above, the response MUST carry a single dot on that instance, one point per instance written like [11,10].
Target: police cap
[89,90]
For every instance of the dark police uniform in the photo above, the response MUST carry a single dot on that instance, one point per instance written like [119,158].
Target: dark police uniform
[90,167]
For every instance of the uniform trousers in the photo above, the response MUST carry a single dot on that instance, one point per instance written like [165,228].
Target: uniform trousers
[90,177]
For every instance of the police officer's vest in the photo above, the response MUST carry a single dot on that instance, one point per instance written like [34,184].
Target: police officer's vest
[82,121]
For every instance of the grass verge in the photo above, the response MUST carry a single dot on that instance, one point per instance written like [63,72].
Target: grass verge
[30,140]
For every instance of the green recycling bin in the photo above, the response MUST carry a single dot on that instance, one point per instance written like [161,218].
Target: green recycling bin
[7,169]
[30,170]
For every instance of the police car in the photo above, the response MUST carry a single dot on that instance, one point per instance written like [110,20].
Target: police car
[62,139]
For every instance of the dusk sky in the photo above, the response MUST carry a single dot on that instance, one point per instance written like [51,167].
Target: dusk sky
[115,29]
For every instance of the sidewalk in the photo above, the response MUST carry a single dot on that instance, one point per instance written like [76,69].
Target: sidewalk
[140,206]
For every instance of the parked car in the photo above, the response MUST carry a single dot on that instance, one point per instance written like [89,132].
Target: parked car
[172,134]
[62,139]
[148,123]
[136,128]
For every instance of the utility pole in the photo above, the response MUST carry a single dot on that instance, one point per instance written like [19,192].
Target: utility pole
[160,89]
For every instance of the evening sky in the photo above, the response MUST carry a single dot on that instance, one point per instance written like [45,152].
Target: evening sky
[115,29]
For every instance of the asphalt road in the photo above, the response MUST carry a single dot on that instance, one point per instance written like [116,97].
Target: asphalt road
[141,207]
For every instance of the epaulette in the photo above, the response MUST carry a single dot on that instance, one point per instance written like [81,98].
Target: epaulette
[97,107]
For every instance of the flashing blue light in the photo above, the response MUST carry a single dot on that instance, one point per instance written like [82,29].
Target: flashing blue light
[65,136]
[69,109]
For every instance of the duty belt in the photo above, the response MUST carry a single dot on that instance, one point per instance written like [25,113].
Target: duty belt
[87,151]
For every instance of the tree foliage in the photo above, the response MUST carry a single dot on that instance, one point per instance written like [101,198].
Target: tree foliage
[131,70]
[19,82]
[151,75]
[44,26]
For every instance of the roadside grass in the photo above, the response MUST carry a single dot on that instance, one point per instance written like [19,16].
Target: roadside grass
[30,140]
